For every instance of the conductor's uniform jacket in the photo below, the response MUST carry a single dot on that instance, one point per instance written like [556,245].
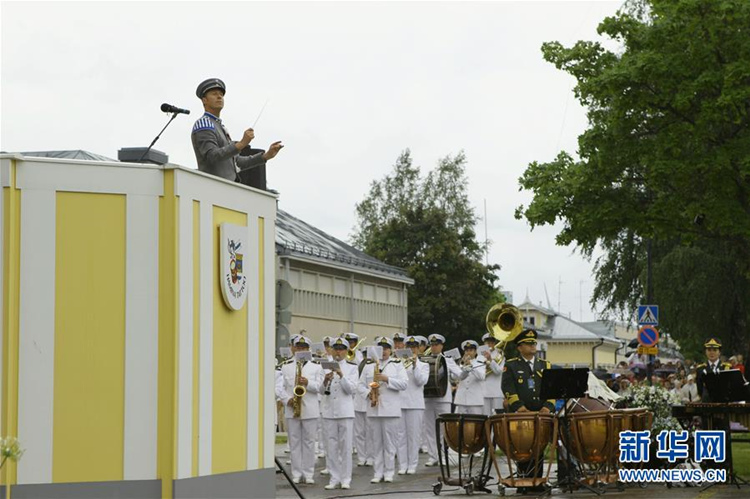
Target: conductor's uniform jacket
[215,151]
[522,384]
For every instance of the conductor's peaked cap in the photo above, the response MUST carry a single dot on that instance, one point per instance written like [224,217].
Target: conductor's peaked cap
[210,84]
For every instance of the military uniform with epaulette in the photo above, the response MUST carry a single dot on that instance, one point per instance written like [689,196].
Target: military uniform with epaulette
[384,418]
[215,151]
[338,417]
[707,367]
[522,383]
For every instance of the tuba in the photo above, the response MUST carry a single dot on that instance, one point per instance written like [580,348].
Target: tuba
[504,322]
[299,392]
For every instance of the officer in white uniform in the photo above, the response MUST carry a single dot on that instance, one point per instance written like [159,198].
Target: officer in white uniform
[470,392]
[433,407]
[384,418]
[493,383]
[301,431]
[412,411]
[361,432]
[338,389]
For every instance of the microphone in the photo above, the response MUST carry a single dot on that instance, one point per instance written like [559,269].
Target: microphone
[168,108]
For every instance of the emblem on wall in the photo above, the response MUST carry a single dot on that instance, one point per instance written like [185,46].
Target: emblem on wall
[232,246]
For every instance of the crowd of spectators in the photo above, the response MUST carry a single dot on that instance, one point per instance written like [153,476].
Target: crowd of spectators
[676,377]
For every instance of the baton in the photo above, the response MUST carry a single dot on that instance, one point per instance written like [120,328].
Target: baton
[260,113]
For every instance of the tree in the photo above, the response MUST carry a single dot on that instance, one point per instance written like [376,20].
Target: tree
[426,226]
[666,157]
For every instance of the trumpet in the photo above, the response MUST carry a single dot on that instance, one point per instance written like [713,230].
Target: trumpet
[352,352]
[411,362]
[375,385]
[299,392]
[427,352]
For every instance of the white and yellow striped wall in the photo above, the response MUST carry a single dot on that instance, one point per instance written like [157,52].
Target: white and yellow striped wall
[122,368]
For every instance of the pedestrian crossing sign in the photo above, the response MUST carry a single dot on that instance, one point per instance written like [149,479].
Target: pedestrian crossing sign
[648,315]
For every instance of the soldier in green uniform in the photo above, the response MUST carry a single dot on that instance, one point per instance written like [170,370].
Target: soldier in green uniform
[522,382]
[712,365]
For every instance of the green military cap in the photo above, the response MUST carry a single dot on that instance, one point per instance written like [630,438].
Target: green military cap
[526,336]
[712,342]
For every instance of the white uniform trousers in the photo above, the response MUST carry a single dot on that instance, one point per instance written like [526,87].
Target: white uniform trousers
[469,409]
[384,443]
[432,409]
[301,433]
[410,436]
[339,433]
[361,443]
[321,439]
[492,403]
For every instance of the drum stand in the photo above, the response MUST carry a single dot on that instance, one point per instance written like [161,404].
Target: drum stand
[567,483]
[471,483]
[521,480]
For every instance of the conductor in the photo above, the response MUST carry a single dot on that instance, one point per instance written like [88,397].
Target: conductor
[215,151]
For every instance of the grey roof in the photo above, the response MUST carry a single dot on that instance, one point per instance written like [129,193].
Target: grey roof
[295,237]
[72,154]
[527,304]
[564,329]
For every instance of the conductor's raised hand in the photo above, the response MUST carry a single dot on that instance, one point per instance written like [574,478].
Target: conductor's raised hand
[246,138]
[273,150]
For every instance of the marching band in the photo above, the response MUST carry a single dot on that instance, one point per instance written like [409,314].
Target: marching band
[381,402]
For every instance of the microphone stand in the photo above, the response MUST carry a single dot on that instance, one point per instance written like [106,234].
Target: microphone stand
[174,115]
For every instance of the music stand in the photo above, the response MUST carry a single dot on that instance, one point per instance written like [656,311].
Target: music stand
[725,387]
[566,383]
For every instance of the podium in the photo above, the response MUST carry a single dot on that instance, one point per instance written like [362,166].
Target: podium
[124,370]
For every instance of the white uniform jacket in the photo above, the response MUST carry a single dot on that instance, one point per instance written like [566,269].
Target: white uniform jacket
[389,404]
[413,396]
[470,390]
[285,389]
[339,403]
[493,383]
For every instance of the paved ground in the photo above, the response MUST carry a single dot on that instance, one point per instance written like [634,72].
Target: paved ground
[421,486]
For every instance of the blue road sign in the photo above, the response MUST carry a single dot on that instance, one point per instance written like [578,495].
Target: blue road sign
[648,315]
[648,336]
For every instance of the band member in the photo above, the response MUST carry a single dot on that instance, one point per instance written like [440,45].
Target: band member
[493,388]
[302,428]
[398,341]
[522,381]
[338,388]
[433,407]
[412,410]
[423,344]
[384,409]
[353,339]
[713,365]
[470,391]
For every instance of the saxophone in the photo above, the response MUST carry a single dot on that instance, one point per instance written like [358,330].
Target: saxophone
[299,392]
[374,386]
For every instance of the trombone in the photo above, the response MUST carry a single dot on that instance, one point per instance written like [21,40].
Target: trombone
[351,354]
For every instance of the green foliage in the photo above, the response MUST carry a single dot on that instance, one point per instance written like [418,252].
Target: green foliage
[666,157]
[426,225]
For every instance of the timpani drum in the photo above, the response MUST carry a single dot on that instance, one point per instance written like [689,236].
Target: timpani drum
[463,434]
[523,437]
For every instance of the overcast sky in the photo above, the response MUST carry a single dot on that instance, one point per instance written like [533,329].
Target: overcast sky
[349,86]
